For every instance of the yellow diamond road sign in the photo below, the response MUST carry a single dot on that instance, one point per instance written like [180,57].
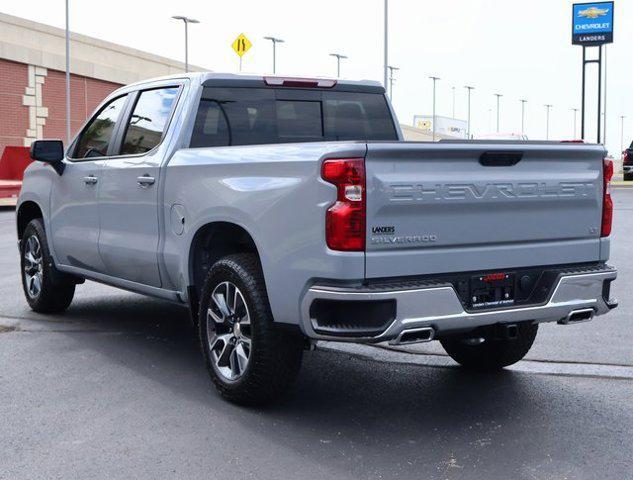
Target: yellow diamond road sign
[241,45]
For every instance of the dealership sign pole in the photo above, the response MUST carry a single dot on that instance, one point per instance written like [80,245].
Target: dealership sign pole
[592,26]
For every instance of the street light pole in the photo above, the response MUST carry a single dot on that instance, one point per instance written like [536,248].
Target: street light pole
[67,76]
[547,108]
[435,79]
[386,45]
[275,41]
[523,102]
[453,102]
[186,21]
[498,95]
[391,70]
[468,119]
[338,57]
[575,110]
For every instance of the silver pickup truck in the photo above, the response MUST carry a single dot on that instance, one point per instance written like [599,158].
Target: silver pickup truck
[283,211]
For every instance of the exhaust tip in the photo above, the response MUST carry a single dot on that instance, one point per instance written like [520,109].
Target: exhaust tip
[415,335]
[577,316]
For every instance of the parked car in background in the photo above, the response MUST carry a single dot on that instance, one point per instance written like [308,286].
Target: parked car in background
[627,163]
[284,211]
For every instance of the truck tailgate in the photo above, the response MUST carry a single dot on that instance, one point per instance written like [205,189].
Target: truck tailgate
[457,207]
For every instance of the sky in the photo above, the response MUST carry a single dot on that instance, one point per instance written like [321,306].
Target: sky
[518,48]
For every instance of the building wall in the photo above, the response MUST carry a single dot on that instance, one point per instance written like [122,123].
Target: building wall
[14,116]
[33,102]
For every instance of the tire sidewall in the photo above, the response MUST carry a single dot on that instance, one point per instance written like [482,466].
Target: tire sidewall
[225,270]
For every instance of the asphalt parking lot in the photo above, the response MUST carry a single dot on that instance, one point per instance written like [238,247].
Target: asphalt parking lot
[116,388]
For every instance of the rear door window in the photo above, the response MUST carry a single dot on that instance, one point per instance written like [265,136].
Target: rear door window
[149,120]
[250,116]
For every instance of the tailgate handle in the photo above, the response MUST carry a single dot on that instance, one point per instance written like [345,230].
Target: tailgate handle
[500,159]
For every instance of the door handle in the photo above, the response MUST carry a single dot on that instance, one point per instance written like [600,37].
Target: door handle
[90,180]
[145,180]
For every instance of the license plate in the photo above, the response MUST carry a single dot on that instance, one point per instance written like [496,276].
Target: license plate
[492,290]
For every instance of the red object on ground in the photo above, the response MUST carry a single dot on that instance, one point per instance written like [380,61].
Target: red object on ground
[13,162]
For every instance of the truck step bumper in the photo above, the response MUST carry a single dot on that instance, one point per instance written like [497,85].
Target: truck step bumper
[425,312]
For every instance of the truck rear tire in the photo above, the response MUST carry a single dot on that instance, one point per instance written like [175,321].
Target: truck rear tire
[628,177]
[46,289]
[490,352]
[250,362]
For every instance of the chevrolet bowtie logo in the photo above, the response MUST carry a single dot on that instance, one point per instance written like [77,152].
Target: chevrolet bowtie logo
[593,12]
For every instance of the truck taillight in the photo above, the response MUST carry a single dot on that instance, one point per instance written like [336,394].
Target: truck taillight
[607,202]
[345,220]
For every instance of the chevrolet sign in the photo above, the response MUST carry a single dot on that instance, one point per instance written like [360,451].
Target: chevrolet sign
[592,23]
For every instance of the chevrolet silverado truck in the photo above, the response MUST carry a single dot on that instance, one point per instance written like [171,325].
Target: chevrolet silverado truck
[284,211]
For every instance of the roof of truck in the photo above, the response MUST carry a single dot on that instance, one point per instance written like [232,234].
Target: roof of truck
[249,79]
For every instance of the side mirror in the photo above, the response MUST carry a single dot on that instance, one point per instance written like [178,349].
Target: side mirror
[49,151]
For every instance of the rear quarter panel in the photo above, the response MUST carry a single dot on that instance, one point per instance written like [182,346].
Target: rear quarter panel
[275,193]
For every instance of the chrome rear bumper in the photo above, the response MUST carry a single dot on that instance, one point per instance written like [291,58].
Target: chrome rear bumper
[439,307]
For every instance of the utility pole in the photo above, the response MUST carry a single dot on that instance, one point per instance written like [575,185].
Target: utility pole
[435,79]
[604,129]
[453,102]
[498,95]
[338,57]
[275,41]
[547,108]
[391,80]
[622,117]
[386,44]
[469,88]
[186,21]
[523,102]
[67,77]
[575,110]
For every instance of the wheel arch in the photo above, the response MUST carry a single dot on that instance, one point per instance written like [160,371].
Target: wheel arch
[27,211]
[213,241]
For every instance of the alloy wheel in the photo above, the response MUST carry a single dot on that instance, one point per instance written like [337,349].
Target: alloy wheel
[229,331]
[33,266]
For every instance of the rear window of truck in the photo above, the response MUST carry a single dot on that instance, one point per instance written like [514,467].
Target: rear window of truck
[251,116]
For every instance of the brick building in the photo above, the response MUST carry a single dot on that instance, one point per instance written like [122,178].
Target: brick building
[33,84]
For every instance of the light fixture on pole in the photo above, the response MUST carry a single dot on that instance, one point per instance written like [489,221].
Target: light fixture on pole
[338,57]
[498,95]
[274,41]
[523,102]
[186,21]
[547,109]
[67,77]
[575,110]
[391,80]
[470,89]
[435,79]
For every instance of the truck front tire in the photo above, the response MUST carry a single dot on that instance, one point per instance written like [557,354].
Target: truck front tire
[250,362]
[490,352]
[46,289]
